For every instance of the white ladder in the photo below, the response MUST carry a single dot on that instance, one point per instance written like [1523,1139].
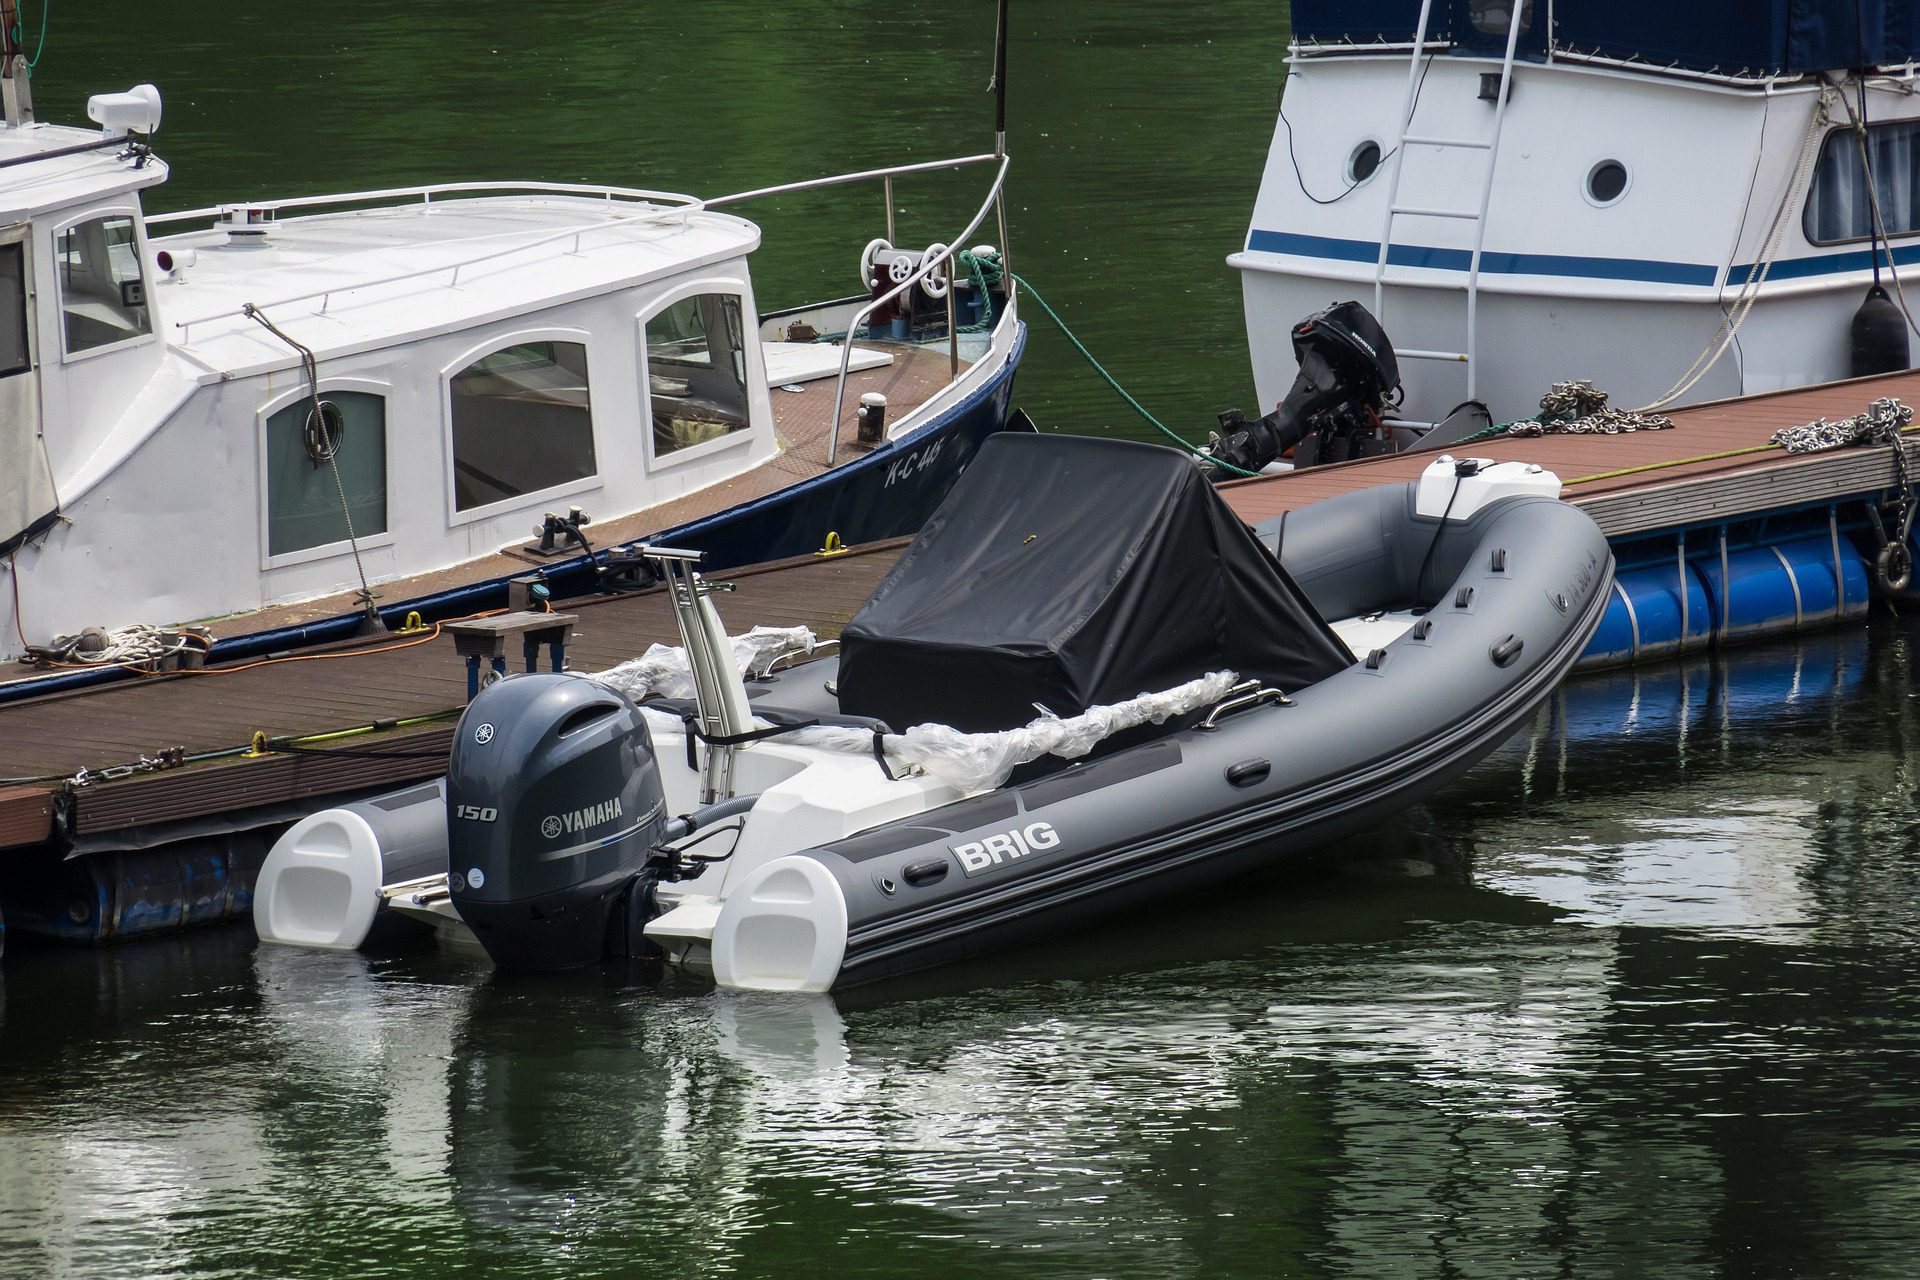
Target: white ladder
[1490,145]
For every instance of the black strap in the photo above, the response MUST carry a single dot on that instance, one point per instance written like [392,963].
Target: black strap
[691,720]
[751,735]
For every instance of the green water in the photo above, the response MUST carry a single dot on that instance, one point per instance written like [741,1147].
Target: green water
[1638,998]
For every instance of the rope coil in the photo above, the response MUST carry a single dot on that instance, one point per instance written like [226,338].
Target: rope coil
[136,643]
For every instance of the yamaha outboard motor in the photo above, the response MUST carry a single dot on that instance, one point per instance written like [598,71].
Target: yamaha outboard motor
[554,808]
[1332,411]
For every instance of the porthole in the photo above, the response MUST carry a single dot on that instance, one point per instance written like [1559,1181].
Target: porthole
[1364,162]
[1606,182]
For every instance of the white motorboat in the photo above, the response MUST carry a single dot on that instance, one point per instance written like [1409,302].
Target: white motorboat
[1672,202]
[302,415]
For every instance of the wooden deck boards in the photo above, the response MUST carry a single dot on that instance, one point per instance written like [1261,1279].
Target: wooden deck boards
[394,678]
[1657,463]
[343,687]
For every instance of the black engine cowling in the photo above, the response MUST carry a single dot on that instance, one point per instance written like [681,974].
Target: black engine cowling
[554,809]
[1332,411]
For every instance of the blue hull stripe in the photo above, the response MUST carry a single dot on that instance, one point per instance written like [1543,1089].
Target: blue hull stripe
[1831,264]
[1553,264]
[1531,264]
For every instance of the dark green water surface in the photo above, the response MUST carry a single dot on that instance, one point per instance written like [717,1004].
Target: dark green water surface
[1637,998]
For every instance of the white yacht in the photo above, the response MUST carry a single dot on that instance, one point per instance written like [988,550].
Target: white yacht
[1671,201]
[283,412]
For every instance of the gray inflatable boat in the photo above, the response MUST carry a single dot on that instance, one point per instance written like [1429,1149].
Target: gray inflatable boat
[1085,686]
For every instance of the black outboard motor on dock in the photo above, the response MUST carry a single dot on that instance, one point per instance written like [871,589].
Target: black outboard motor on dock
[554,808]
[1332,411]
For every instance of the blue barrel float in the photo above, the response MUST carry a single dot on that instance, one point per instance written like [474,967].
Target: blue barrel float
[1719,595]
[1654,612]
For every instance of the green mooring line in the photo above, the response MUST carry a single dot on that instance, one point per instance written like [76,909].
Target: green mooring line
[1138,408]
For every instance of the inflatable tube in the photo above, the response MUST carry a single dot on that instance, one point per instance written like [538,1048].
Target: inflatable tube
[1263,783]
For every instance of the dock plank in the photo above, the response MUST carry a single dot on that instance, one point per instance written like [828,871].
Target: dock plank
[1646,480]
[344,687]
[1713,465]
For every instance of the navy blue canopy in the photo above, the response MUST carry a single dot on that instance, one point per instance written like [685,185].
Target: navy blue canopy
[1750,37]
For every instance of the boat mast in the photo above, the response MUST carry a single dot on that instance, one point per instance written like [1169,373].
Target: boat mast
[999,82]
[14,85]
[999,135]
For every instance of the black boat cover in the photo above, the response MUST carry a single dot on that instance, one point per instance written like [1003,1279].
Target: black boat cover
[1070,571]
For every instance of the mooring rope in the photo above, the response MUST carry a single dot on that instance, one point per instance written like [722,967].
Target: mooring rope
[1111,381]
[1731,320]
[329,448]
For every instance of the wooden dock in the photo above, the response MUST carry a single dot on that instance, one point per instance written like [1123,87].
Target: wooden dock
[1714,465]
[136,763]
[102,752]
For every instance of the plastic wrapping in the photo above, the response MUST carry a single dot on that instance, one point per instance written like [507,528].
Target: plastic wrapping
[663,671]
[980,761]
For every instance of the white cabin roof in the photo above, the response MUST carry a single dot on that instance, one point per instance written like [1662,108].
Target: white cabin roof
[368,277]
[28,190]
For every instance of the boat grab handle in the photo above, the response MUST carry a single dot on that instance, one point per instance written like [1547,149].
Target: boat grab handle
[819,647]
[1256,698]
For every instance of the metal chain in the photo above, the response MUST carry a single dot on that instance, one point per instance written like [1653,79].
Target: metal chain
[1579,409]
[1574,399]
[1880,424]
[170,758]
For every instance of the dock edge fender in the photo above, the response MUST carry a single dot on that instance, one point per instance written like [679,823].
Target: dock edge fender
[320,884]
[784,929]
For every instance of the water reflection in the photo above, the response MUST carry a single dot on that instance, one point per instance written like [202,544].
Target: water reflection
[1640,990]
[1760,797]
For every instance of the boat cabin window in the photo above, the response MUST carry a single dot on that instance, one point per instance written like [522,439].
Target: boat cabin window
[697,371]
[1837,204]
[1494,17]
[102,294]
[303,501]
[13,309]
[522,422]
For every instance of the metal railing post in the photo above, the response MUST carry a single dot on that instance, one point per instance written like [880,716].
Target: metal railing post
[926,268]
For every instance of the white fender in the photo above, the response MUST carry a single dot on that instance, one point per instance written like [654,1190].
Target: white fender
[784,929]
[320,885]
